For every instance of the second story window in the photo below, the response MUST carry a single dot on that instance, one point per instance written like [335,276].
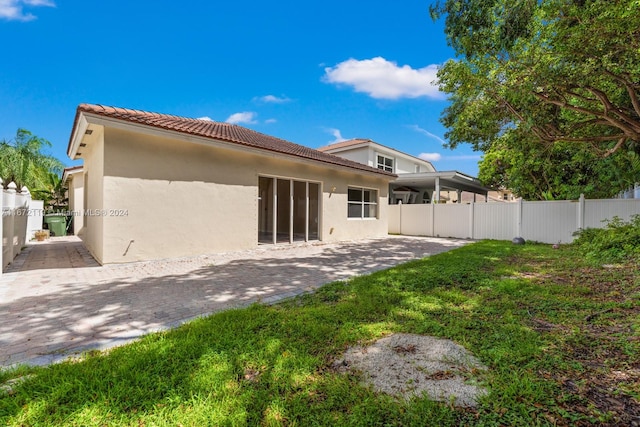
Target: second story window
[385,163]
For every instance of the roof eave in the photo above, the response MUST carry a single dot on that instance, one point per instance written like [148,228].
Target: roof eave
[327,149]
[80,125]
[71,171]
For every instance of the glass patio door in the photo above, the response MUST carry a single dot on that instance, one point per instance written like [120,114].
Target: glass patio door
[288,210]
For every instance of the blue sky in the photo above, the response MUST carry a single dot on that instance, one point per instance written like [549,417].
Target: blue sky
[309,72]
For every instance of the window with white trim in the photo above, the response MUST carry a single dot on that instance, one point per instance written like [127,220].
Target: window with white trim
[362,203]
[385,163]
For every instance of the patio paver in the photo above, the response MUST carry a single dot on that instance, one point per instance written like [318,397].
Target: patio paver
[56,301]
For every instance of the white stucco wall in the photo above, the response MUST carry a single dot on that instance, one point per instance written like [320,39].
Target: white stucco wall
[361,155]
[409,166]
[36,218]
[76,200]
[336,225]
[93,157]
[166,197]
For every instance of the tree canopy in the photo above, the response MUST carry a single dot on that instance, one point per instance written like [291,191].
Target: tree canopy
[562,170]
[558,80]
[23,161]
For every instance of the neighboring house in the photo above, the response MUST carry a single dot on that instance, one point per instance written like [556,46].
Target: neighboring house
[376,155]
[74,177]
[417,182]
[502,195]
[499,196]
[158,186]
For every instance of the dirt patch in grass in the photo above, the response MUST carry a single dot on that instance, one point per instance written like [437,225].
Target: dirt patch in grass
[602,341]
[602,394]
[408,365]
[610,373]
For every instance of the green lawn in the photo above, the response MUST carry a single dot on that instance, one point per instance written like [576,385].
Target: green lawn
[560,338]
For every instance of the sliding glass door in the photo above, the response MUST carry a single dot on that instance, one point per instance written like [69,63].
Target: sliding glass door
[288,210]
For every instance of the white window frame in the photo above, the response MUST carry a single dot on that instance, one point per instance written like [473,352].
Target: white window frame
[362,203]
[383,166]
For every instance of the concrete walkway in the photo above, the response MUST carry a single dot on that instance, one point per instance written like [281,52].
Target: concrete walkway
[56,301]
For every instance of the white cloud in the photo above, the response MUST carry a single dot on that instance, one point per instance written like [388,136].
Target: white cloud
[12,10]
[336,134]
[427,133]
[430,157]
[270,121]
[272,99]
[384,79]
[247,117]
[39,3]
[205,118]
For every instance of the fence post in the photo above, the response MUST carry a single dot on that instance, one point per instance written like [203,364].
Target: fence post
[11,195]
[519,219]
[433,219]
[400,217]
[581,206]
[11,205]
[27,199]
[471,219]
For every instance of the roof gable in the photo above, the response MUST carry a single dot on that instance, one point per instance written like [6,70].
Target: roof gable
[218,131]
[362,143]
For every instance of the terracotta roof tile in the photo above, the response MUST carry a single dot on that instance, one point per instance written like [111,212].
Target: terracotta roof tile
[73,168]
[219,131]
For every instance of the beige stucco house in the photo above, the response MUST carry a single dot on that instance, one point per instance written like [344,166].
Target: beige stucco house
[157,186]
[417,181]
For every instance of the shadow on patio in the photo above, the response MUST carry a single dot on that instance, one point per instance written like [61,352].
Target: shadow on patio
[115,304]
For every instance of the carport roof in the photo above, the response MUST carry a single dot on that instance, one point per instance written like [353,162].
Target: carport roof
[449,180]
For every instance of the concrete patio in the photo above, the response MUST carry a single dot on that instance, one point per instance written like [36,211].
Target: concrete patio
[56,301]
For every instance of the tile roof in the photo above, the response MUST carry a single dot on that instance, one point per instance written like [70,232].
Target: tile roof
[219,131]
[70,170]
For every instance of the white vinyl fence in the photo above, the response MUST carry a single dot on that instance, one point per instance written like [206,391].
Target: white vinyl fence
[21,218]
[547,222]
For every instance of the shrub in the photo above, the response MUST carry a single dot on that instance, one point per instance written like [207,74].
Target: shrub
[619,241]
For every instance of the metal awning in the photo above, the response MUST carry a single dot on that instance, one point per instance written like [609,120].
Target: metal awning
[447,180]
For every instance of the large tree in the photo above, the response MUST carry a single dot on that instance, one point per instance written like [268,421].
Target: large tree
[23,161]
[532,74]
[562,170]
